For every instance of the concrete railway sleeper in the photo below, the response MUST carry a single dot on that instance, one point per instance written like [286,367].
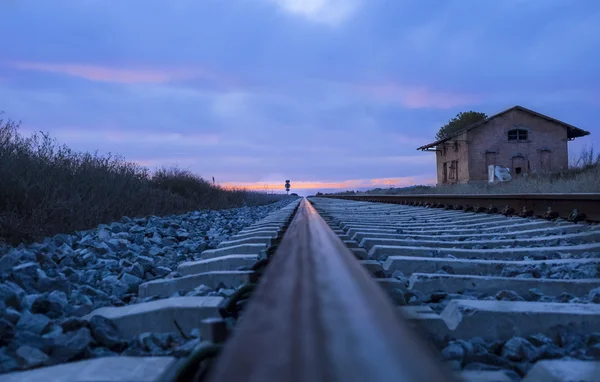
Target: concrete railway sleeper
[308,311]
[573,206]
[510,298]
[500,298]
[317,315]
[175,304]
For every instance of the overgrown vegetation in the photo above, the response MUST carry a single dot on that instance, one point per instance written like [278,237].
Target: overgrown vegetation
[47,188]
[456,124]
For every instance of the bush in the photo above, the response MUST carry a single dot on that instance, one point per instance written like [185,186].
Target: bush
[47,188]
[588,159]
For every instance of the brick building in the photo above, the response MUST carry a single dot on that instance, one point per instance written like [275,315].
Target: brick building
[517,138]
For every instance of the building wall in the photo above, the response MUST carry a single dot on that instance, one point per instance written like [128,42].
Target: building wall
[544,150]
[453,153]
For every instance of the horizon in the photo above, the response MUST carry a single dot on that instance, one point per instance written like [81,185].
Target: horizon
[332,94]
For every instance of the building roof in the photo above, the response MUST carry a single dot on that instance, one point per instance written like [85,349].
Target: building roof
[572,131]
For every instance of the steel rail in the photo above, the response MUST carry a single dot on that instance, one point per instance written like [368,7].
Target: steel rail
[318,316]
[561,205]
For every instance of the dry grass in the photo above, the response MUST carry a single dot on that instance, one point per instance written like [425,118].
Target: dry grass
[47,188]
[583,176]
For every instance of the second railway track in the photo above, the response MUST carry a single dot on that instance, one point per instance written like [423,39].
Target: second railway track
[492,292]
[476,296]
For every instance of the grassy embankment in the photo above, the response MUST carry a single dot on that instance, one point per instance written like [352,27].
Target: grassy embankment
[47,188]
[582,176]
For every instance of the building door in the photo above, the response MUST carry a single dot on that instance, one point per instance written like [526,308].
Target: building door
[490,159]
[545,160]
[454,171]
[445,173]
[519,166]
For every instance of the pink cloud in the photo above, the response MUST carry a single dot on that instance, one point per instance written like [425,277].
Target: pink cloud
[134,138]
[112,74]
[419,97]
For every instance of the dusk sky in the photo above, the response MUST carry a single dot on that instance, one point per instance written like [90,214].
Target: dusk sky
[326,93]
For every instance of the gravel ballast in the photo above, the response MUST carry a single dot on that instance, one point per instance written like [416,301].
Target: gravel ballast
[46,288]
[518,355]
[431,258]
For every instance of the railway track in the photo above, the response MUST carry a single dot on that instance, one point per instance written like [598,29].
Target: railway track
[574,207]
[474,296]
[490,291]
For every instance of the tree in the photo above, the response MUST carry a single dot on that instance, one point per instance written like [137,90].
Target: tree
[462,120]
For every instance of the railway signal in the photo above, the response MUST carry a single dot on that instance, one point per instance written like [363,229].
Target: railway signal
[287,186]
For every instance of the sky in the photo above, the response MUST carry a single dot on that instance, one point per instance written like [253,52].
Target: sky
[330,94]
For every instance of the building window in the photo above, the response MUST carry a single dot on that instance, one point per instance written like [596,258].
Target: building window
[518,135]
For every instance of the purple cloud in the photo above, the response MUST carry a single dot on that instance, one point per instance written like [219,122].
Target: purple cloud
[108,74]
[317,91]
[420,97]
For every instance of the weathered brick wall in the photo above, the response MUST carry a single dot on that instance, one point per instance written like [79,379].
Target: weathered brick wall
[453,150]
[546,141]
